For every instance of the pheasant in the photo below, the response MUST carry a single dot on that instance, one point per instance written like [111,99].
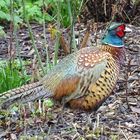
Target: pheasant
[83,80]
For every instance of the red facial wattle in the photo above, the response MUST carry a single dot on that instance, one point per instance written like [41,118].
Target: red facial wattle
[120,31]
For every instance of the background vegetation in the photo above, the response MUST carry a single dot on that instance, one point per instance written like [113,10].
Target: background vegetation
[15,14]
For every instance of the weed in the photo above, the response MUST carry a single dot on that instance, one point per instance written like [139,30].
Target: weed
[11,76]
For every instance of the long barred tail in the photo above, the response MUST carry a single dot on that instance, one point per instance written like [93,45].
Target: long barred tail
[23,94]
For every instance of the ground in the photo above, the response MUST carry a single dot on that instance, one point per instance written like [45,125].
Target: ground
[117,119]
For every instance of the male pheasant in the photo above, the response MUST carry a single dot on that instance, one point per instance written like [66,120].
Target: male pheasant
[83,79]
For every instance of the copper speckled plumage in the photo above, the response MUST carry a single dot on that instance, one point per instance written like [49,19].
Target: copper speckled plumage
[82,80]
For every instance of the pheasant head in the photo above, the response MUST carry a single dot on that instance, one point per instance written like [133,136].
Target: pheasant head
[115,34]
[114,39]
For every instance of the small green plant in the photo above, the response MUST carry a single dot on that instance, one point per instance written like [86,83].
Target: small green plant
[114,137]
[65,6]
[48,102]
[2,33]
[34,12]
[11,76]
[5,12]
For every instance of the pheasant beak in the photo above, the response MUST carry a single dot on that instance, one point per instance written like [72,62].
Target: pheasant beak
[127,30]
